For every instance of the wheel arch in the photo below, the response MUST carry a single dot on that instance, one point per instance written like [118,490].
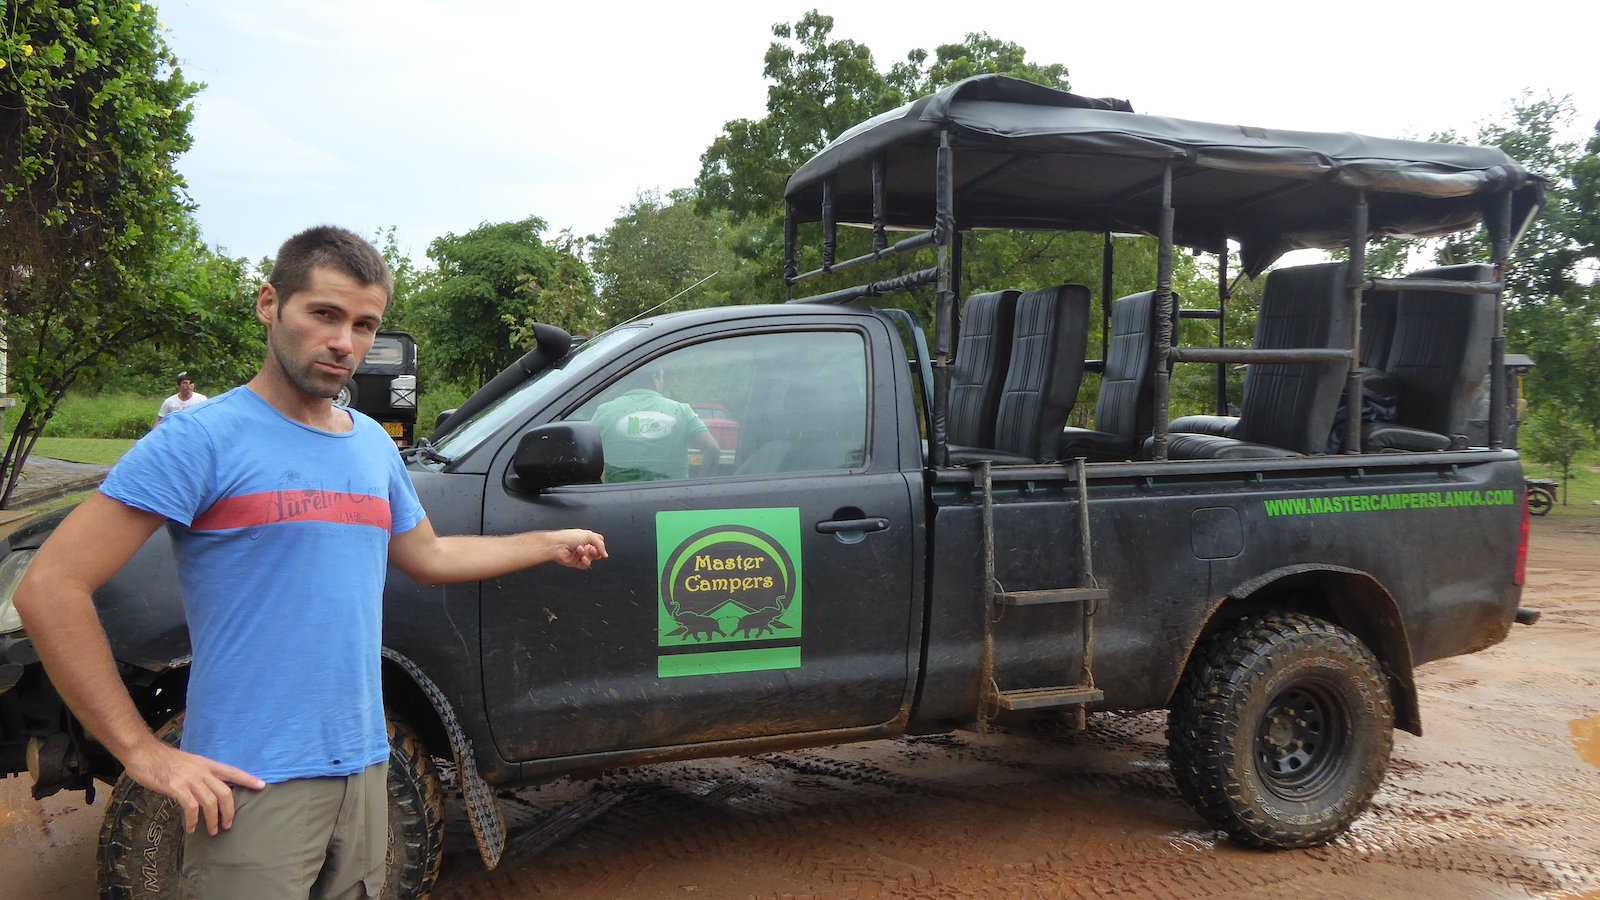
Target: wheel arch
[1350,598]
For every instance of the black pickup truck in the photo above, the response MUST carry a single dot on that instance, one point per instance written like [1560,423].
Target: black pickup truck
[909,540]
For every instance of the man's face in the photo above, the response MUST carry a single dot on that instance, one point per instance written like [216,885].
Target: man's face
[185,388]
[320,334]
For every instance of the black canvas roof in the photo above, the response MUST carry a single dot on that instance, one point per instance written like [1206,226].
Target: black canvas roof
[1028,156]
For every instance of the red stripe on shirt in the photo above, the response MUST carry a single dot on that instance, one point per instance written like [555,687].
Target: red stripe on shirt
[275,507]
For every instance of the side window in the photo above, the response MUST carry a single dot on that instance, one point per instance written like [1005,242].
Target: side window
[750,405]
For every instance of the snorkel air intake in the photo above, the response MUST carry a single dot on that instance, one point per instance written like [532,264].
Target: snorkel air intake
[550,345]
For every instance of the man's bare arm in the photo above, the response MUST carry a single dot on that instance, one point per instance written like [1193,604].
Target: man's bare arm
[430,559]
[56,603]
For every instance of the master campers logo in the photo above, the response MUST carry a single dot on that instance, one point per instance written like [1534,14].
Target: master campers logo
[729,591]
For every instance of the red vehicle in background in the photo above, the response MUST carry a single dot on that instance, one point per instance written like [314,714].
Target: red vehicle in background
[724,429]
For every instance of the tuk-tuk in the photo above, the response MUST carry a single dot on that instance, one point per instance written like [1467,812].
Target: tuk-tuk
[385,386]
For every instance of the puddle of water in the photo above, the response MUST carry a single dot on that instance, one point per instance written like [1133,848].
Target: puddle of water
[1586,737]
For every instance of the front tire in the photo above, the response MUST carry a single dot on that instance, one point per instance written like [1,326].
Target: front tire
[140,856]
[1280,731]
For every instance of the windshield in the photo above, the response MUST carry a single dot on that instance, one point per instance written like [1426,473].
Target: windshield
[519,400]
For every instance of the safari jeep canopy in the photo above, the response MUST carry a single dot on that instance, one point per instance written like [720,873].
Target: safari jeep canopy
[1034,157]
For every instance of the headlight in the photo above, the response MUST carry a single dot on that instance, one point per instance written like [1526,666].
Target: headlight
[12,568]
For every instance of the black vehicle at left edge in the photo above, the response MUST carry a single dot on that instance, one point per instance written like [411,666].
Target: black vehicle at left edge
[908,539]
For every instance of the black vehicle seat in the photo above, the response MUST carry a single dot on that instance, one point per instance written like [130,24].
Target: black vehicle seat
[1052,330]
[762,443]
[1122,408]
[1377,328]
[797,425]
[983,354]
[1437,358]
[1287,408]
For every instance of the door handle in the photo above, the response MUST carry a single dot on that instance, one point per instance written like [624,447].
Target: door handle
[856,526]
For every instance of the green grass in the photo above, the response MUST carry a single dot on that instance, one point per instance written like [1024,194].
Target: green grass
[1584,486]
[105,415]
[100,451]
[127,416]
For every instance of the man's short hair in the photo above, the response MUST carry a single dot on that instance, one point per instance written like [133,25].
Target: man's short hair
[333,247]
[182,377]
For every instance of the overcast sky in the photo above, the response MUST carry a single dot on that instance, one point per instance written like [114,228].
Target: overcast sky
[434,117]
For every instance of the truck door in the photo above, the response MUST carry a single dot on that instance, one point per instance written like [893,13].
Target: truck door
[758,586]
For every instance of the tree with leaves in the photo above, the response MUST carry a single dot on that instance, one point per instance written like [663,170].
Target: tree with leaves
[489,285]
[97,249]
[661,246]
[1555,438]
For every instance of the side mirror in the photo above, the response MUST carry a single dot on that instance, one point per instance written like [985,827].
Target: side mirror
[439,419]
[556,454]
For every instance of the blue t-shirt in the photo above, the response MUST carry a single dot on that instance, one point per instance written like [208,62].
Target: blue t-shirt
[282,537]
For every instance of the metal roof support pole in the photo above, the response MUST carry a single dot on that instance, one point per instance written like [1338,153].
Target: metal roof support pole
[1356,281]
[1499,227]
[830,228]
[1224,292]
[944,227]
[879,239]
[1165,333]
[790,270]
[1107,262]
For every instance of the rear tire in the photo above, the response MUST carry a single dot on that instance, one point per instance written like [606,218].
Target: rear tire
[140,855]
[1280,731]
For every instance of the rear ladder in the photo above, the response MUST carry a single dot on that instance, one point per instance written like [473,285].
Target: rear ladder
[1088,596]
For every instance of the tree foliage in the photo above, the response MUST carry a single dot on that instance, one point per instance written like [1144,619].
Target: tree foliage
[1555,437]
[488,285]
[97,250]
[661,246]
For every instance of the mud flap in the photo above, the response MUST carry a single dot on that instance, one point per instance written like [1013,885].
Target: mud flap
[483,809]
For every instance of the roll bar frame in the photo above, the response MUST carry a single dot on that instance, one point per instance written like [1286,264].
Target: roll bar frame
[946,275]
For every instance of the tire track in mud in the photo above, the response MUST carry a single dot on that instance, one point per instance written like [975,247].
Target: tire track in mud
[834,841]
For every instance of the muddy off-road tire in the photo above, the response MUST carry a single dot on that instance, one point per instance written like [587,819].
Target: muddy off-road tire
[141,841]
[1280,731]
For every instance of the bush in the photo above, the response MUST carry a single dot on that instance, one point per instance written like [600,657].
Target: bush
[436,398]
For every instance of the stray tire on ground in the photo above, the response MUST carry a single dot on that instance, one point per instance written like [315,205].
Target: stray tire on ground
[140,855]
[1540,502]
[1280,730]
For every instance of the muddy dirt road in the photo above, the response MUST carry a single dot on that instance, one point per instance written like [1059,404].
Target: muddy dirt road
[1501,799]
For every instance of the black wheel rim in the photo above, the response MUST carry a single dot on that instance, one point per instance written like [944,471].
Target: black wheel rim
[1301,741]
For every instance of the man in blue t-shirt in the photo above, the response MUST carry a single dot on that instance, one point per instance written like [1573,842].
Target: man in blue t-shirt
[284,517]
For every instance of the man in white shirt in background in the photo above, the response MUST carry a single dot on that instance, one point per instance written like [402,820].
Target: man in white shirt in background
[183,399]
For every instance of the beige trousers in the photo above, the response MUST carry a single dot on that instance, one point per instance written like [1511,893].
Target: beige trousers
[321,838]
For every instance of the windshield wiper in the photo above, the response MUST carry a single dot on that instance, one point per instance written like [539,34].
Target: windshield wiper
[424,449]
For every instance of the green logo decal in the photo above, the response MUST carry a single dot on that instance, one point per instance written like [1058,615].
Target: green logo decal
[1362,503]
[728,587]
